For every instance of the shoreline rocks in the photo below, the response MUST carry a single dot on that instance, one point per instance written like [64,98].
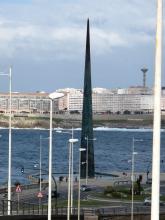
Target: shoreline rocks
[69,121]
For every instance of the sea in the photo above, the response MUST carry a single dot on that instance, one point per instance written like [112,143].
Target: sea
[112,148]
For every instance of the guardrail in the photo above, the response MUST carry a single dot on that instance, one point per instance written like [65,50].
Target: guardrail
[23,208]
[124,210]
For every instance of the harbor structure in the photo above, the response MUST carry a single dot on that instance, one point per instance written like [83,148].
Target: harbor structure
[87,119]
[144,71]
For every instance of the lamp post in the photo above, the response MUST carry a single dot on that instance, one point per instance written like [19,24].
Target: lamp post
[40,172]
[40,159]
[40,169]
[87,153]
[9,152]
[71,142]
[79,185]
[72,171]
[71,165]
[52,96]
[46,172]
[132,176]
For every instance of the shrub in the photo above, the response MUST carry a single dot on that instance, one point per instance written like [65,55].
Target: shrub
[116,194]
[123,190]
[109,189]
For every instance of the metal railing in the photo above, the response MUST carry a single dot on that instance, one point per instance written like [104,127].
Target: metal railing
[23,208]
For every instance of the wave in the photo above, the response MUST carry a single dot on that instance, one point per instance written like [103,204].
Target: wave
[118,129]
[126,129]
[95,129]
[35,128]
[14,128]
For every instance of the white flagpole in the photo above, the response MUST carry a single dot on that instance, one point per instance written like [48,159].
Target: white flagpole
[9,157]
[157,117]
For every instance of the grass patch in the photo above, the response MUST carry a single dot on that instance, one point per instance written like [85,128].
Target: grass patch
[83,203]
[123,193]
[162,198]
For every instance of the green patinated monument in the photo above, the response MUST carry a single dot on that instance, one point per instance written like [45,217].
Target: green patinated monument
[87,157]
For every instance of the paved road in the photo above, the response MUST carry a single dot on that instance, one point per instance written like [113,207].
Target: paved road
[30,196]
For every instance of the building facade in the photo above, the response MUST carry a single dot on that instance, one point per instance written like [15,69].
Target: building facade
[133,100]
[27,103]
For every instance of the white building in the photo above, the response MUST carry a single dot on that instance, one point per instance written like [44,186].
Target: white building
[27,103]
[73,99]
[134,100]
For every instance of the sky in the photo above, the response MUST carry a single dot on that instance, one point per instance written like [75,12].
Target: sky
[44,41]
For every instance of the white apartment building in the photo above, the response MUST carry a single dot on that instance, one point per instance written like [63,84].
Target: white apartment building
[73,99]
[134,100]
[135,90]
[27,103]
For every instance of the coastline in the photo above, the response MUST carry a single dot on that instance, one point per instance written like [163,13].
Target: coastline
[69,121]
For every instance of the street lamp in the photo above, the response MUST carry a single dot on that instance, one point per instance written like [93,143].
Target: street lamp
[132,176]
[133,154]
[40,182]
[79,185]
[71,166]
[52,96]
[87,153]
[46,172]
[40,159]
[72,170]
[9,153]
[71,142]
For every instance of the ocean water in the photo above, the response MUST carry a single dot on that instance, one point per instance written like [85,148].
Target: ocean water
[113,151]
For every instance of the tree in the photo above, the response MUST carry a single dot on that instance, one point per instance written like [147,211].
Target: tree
[139,188]
[126,112]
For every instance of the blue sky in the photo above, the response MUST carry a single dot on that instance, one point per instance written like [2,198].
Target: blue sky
[15,1]
[44,40]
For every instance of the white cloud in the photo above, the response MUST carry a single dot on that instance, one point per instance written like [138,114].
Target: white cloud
[67,41]
[59,26]
[50,35]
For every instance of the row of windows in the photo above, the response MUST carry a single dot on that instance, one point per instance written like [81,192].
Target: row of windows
[100,103]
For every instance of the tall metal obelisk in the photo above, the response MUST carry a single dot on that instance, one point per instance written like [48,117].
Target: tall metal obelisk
[87,157]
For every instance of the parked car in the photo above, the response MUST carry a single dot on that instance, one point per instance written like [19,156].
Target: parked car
[85,188]
[147,202]
[149,181]
[54,194]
